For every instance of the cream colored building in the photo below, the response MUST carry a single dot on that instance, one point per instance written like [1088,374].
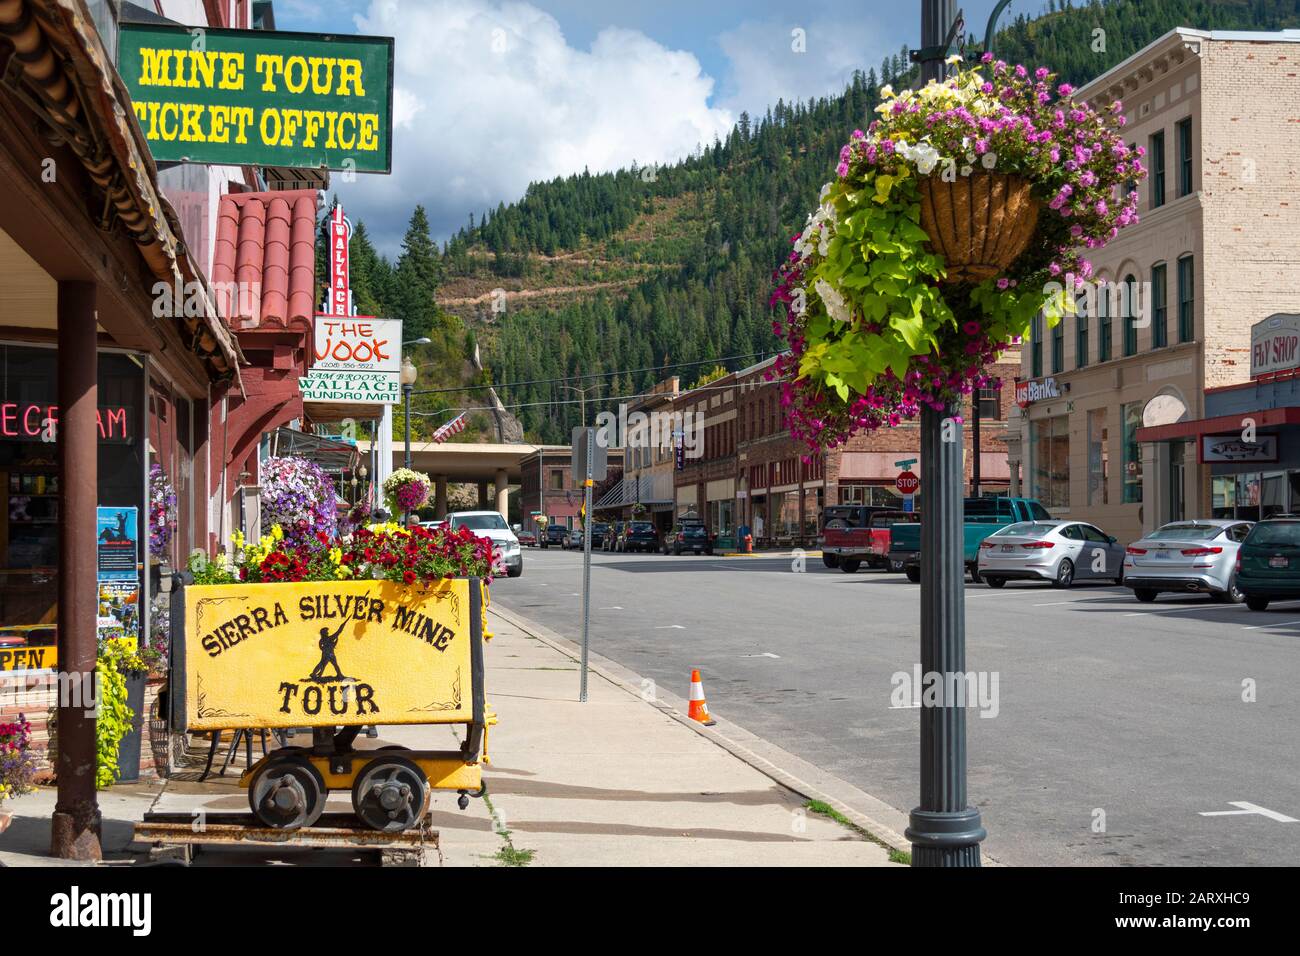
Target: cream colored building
[1216,250]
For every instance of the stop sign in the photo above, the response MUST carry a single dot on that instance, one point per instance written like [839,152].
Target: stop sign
[907,483]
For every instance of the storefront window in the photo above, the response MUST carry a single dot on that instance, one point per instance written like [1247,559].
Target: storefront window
[1248,497]
[1272,499]
[1223,493]
[1049,441]
[1132,414]
[1098,458]
[788,516]
[812,509]
[720,515]
[29,477]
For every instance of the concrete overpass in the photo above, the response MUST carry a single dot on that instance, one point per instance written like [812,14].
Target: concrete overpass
[463,462]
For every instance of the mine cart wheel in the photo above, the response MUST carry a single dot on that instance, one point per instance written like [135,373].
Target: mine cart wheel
[287,793]
[391,794]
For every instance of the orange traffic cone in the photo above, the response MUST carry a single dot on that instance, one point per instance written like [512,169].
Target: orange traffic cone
[699,709]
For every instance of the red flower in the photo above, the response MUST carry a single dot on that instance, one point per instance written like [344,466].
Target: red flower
[408,576]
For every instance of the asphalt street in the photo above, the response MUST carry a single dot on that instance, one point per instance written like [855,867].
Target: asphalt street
[1114,727]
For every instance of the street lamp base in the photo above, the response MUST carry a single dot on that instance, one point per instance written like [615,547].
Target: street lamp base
[945,838]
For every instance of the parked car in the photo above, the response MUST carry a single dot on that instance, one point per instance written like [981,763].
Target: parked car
[611,536]
[490,524]
[1187,556]
[983,516]
[843,531]
[598,531]
[1268,562]
[1062,552]
[636,536]
[528,538]
[853,547]
[688,535]
[555,534]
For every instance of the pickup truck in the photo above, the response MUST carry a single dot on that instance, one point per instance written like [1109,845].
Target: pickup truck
[854,547]
[983,516]
[844,529]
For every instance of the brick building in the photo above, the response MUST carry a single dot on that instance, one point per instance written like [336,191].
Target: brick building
[1216,252]
[561,496]
[749,472]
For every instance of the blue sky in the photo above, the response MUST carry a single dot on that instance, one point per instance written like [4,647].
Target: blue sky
[492,95]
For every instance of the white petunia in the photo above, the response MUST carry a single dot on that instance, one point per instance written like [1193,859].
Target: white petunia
[836,307]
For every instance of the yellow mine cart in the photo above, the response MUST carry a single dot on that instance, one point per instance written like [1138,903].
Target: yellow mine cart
[336,657]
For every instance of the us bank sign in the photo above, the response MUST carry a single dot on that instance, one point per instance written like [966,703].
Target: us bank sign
[1036,390]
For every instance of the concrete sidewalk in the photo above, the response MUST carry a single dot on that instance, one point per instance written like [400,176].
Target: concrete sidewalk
[615,781]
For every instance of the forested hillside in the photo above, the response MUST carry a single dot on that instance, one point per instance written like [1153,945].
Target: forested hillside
[667,269]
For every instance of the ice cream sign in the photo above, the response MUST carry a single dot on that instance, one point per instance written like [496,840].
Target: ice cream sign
[1275,345]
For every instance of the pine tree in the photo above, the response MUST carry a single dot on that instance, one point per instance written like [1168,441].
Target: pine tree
[416,279]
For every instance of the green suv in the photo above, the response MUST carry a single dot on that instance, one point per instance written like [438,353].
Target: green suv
[1268,563]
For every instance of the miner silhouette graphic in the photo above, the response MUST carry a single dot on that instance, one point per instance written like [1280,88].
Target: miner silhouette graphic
[327,643]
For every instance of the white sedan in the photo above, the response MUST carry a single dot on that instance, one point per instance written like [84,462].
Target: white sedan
[1058,551]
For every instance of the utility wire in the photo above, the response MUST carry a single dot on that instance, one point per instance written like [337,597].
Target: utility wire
[576,401]
[575,378]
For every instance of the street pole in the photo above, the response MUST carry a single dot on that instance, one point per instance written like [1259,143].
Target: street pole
[586,559]
[944,831]
[975,443]
[406,399]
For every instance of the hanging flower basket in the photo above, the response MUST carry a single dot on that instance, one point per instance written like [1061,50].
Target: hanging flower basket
[981,224]
[959,215]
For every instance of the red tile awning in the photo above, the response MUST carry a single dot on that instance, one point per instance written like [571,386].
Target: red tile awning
[263,267]
[1264,418]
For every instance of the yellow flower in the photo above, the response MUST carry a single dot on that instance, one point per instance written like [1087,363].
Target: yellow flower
[277,532]
[237,540]
[336,555]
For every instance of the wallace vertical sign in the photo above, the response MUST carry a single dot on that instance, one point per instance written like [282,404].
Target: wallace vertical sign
[233,97]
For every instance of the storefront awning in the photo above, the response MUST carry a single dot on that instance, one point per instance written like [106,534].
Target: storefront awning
[61,71]
[331,455]
[1263,418]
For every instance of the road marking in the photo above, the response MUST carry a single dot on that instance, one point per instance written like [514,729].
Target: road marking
[1255,627]
[775,657]
[612,607]
[1249,809]
[1054,604]
[1207,606]
[664,627]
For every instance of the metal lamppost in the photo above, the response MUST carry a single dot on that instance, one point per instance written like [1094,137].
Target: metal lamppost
[407,377]
[944,829]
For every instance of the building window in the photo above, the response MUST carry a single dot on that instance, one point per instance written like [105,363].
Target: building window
[1156,154]
[990,406]
[1081,332]
[1058,346]
[1103,321]
[557,479]
[1049,455]
[1131,185]
[1128,310]
[1036,346]
[1159,306]
[1185,157]
[1132,414]
[1186,299]
[1098,458]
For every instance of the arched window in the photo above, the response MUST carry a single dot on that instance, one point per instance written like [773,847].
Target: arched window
[1081,330]
[1159,305]
[1129,306]
[1103,320]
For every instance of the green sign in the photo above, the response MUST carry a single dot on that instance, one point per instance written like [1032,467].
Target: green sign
[236,97]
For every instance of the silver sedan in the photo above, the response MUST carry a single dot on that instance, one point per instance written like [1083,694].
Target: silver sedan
[1058,551]
[1187,556]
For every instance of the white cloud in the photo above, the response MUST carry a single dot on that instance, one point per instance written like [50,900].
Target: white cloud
[767,66]
[490,97]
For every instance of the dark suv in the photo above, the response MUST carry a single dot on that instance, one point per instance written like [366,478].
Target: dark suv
[688,535]
[637,536]
[555,534]
[1268,563]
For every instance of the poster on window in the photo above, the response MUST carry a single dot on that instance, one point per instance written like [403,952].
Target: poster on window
[117,544]
[118,617]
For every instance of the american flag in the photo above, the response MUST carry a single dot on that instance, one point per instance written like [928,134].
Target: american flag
[455,426]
